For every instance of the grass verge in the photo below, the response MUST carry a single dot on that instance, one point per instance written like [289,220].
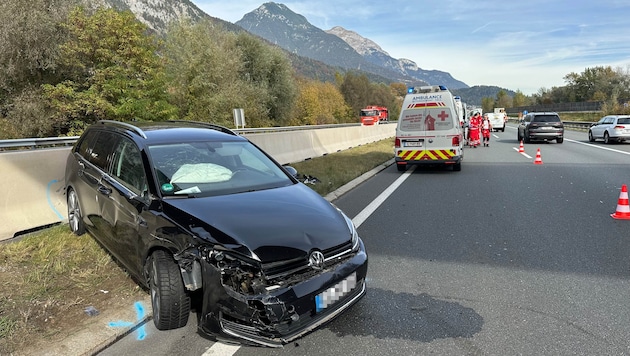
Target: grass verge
[49,278]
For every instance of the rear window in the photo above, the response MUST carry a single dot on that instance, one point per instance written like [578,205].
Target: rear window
[546,118]
[426,120]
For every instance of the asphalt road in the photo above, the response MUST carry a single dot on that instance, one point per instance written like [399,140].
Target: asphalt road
[506,257]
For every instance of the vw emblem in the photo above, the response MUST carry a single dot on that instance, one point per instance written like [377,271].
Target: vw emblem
[316,260]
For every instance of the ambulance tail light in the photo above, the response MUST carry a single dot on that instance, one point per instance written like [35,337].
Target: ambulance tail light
[397,142]
[455,141]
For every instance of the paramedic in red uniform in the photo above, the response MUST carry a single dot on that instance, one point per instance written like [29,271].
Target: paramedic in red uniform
[473,130]
[486,127]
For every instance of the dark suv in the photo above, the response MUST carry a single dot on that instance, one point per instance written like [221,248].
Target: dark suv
[193,208]
[541,126]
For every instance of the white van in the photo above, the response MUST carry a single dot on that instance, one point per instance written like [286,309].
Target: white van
[428,131]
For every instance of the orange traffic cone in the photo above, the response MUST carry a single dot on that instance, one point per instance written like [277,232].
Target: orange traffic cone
[521,149]
[538,159]
[623,209]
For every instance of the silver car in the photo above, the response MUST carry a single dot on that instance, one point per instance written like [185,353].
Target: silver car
[611,128]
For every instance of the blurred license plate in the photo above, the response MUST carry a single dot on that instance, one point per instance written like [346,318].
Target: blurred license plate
[333,294]
[413,144]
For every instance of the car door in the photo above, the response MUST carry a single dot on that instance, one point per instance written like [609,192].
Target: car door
[601,126]
[126,189]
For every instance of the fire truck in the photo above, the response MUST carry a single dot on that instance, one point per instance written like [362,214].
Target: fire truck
[373,115]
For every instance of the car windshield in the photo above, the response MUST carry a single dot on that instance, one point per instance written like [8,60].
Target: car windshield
[195,169]
[546,118]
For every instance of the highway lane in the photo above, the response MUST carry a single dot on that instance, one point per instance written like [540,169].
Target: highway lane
[504,257]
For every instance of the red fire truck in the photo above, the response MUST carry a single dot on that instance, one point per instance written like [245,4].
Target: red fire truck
[373,115]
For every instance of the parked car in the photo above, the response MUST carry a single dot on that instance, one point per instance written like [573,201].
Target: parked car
[192,207]
[611,128]
[537,126]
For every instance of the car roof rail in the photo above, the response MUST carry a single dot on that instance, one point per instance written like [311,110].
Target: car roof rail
[207,125]
[125,125]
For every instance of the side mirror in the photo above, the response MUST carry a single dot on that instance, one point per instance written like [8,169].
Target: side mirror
[292,171]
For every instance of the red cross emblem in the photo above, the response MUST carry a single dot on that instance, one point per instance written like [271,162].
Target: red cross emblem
[443,115]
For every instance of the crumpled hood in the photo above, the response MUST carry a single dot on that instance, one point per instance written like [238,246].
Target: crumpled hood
[273,224]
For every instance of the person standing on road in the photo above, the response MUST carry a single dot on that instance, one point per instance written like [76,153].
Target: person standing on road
[473,130]
[486,127]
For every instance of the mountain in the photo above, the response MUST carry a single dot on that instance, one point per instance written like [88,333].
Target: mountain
[373,53]
[157,14]
[475,94]
[279,25]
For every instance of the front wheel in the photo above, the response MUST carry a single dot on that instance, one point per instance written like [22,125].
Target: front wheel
[75,219]
[590,137]
[169,300]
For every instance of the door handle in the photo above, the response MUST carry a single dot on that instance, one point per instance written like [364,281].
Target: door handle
[104,190]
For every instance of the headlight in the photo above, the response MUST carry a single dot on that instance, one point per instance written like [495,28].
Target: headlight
[353,231]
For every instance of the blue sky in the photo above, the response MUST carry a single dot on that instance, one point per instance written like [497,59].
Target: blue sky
[518,45]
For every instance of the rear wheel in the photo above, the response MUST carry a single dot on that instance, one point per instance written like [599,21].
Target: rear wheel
[169,300]
[606,138]
[75,219]
[401,167]
[457,167]
[559,140]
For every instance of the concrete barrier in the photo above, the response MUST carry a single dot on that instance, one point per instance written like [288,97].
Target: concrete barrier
[32,181]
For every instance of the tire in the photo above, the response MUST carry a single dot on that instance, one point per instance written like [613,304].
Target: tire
[607,138]
[169,300]
[518,136]
[526,138]
[559,140]
[457,167]
[75,219]
[401,167]
[590,137]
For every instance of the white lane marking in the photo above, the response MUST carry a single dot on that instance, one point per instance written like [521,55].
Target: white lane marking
[368,210]
[597,146]
[221,349]
[523,153]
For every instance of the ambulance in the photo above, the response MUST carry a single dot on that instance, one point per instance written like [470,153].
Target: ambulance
[428,131]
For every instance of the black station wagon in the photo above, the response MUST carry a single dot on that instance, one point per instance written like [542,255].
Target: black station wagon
[191,207]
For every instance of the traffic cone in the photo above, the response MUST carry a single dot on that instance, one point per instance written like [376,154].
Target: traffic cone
[538,160]
[521,149]
[623,209]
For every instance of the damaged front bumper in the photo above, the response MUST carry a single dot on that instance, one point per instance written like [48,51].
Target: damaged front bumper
[282,313]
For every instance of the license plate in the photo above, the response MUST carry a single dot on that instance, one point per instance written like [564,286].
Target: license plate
[333,294]
[413,144]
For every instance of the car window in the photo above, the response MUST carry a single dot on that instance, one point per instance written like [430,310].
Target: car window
[214,168]
[547,118]
[609,120]
[127,166]
[624,120]
[85,145]
[428,119]
[102,149]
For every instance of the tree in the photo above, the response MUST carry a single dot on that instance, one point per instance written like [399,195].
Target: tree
[116,72]
[212,71]
[30,34]
[321,103]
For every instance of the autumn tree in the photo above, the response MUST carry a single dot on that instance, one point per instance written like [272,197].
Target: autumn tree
[115,72]
[320,103]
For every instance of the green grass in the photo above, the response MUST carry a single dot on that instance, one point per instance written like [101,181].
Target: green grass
[336,169]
